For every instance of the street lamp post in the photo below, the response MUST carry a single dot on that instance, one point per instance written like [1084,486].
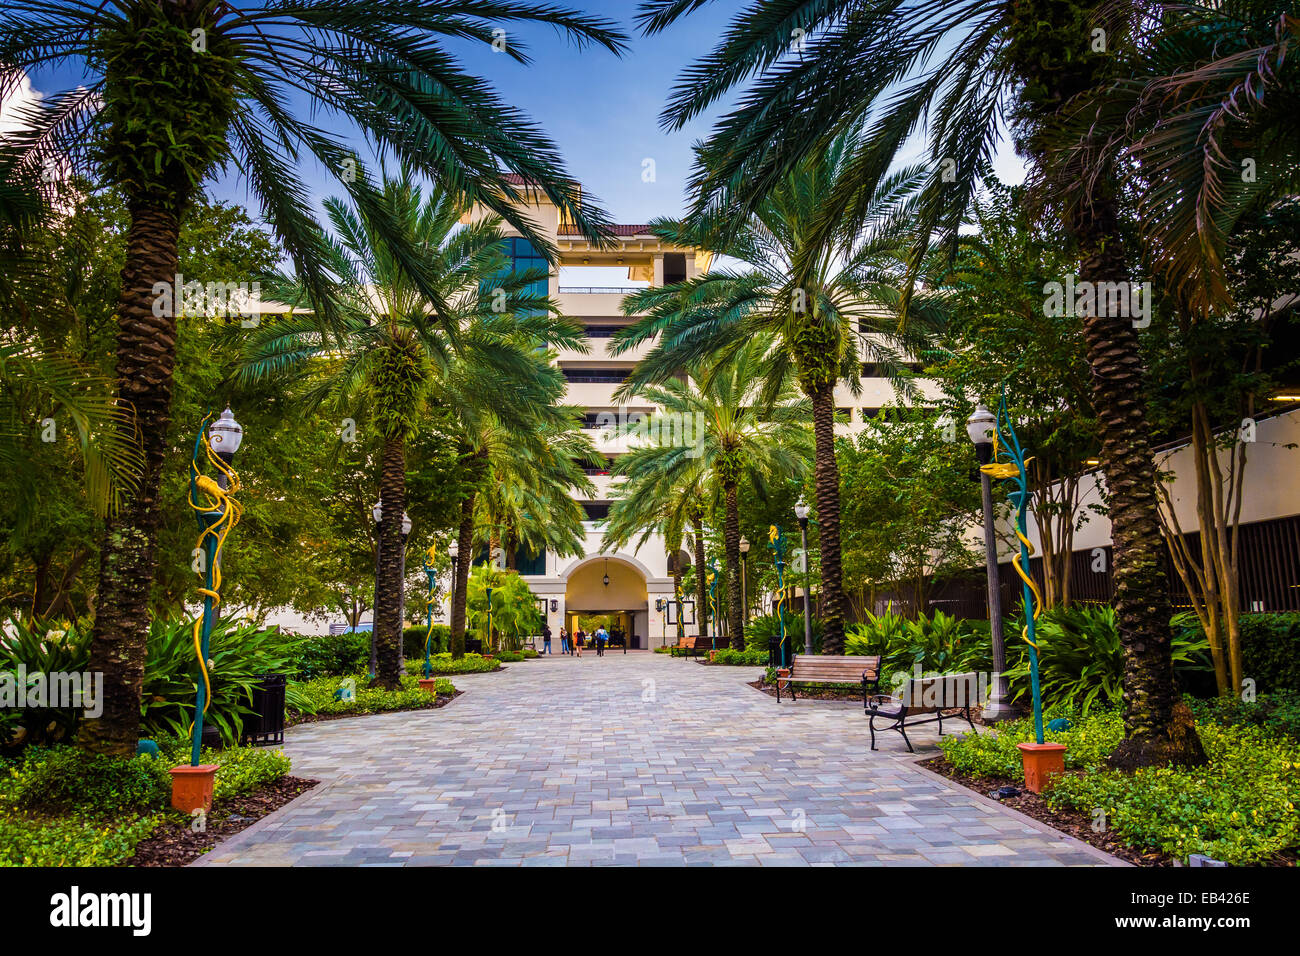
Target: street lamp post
[401,622]
[216,513]
[980,427]
[377,513]
[777,538]
[744,590]
[489,630]
[801,512]
[454,551]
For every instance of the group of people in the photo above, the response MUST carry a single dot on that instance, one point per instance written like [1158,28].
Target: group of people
[575,642]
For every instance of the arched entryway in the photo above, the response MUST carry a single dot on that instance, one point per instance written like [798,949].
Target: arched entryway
[613,585]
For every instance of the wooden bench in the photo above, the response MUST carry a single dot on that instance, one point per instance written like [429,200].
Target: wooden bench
[924,701]
[692,645]
[827,669]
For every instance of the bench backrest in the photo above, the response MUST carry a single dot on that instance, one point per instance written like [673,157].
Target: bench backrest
[834,669]
[928,694]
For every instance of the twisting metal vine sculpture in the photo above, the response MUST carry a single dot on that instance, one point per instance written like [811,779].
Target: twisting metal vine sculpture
[217,513]
[1008,464]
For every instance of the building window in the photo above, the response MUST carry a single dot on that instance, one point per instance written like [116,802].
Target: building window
[674,268]
[596,510]
[611,376]
[523,257]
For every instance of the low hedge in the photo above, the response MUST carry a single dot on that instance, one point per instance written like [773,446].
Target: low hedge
[444,664]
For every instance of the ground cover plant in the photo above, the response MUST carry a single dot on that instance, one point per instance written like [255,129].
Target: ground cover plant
[1240,807]
[61,806]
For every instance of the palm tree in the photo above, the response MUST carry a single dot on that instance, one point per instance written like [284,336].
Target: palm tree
[527,438]
[175,92]
[1201,123]
[819,325]
[736,434]
[529,500]
[959,67]
[395,352]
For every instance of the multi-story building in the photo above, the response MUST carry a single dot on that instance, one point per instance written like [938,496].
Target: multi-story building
[633,582]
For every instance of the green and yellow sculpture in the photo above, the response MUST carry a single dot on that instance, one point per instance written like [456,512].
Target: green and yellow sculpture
[1008,464]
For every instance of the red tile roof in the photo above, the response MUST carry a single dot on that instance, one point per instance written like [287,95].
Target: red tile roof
[641,229]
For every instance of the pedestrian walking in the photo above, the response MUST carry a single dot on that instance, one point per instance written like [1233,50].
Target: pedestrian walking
[579,638]
[602,636]
[546,638]
[564,640]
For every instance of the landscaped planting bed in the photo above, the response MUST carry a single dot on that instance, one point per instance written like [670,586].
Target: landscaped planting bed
[60,806]
[1239,808]
[320,699]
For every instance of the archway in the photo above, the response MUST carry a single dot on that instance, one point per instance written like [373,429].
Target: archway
[613,589]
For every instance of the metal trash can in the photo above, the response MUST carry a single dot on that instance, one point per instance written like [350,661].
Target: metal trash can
[265,725]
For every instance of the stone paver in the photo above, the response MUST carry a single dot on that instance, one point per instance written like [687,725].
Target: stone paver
[629,759]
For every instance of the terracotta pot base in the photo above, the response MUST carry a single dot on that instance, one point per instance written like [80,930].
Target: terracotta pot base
[1041,762]
[192,787]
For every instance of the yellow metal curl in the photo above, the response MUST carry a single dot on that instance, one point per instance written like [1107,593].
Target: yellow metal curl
[221,500]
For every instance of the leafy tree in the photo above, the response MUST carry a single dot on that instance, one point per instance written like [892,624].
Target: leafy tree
[176,92]
[958,68]
[997,336]
[398,349]
[514,611]
[908,499]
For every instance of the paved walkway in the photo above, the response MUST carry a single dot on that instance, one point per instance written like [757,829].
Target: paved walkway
[629,759]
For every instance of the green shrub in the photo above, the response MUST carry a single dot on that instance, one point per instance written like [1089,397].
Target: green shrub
[939,644]
[332,655]
[53,648]
[1240,808]
[1089,740]
[318,696]
[1270,650]
[413,640]
[760,629]
[1276,713]
[68,780]
[746,658]
[444,664]
[1080,661]
[240,654]
[71,841]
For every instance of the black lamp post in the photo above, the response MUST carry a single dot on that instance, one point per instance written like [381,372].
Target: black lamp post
[981,427]
[454,551]
[744,590]
[801,512]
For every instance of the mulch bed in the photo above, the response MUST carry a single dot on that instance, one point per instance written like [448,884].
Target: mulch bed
[442,700]
[1074,823]
[174,844]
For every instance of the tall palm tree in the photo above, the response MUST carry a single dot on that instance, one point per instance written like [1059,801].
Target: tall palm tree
[529,500]
[527,439]
[395,351]
[961,71]
[176,91]
[819,325]
[736,434]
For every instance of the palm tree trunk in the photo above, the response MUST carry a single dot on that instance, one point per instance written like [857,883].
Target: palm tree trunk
[701,584]
[731,536]
[465,552]
[826,481]
[146,358]
[390,590]
[1157,728]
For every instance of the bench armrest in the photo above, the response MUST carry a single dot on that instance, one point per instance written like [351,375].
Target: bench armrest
[875,700]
